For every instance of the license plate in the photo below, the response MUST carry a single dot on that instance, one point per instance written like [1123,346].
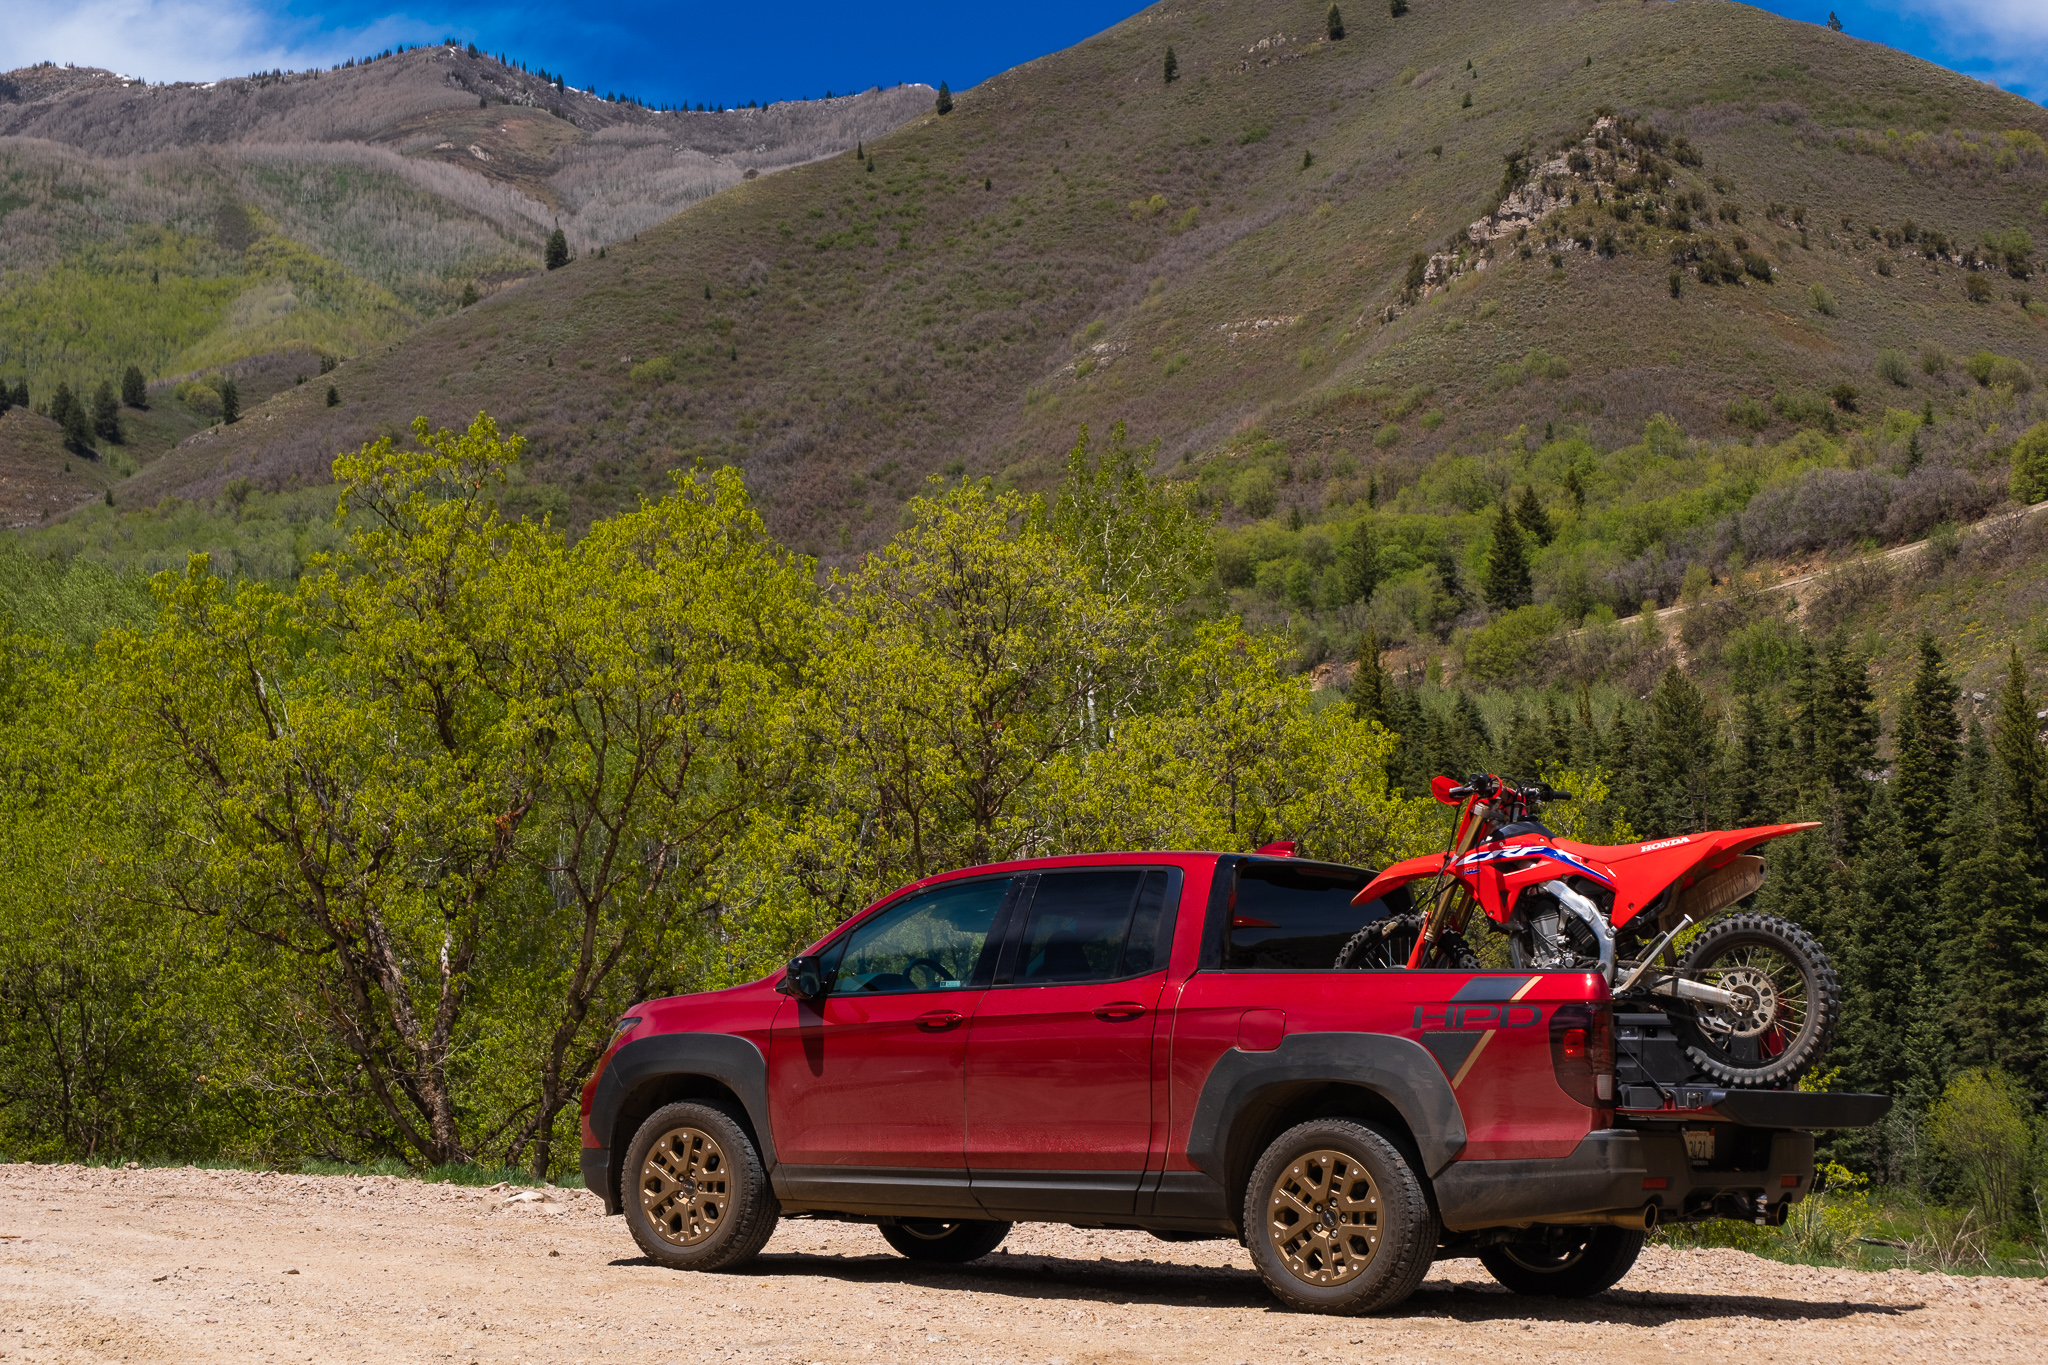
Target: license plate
[1699,1144]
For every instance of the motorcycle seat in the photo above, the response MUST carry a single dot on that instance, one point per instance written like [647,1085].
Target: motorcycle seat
[1521,827]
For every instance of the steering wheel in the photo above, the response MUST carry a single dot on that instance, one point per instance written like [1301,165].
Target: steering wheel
[937,969]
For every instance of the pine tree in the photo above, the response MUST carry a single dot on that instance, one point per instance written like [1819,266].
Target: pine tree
[1834,22]
[70,414]
[1507,564]
[1529,511]
[944,103]
[106,413]
[469,294]
[1358,563]
[1926,745]
[1681,753]
[134,390]
[1369,682]
[333,396]
[1397,8]
[1334,23]
[1172,66]
[2022,763]
[230,402]
[1879,941]
[558,250]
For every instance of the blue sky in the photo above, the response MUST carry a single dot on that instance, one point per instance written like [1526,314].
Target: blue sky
[691,50]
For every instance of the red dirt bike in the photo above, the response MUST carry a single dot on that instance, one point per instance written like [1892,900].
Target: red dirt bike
[1753,998]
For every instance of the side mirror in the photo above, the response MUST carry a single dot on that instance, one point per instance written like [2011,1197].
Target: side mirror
[804,978]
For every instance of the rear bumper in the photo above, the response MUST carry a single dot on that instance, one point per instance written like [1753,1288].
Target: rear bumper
[597,1177]
[1620,1170]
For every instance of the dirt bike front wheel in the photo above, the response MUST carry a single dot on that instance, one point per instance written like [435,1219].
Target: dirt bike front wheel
[1787,1001]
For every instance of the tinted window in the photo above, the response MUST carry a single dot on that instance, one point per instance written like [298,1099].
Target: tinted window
[930,942]
[1286,918]
[1092,926]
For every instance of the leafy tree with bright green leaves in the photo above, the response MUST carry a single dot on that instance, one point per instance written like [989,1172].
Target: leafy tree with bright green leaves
[134,389]
[2030,465]
[1508,583]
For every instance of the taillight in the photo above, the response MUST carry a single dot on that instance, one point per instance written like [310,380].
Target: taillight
[1582,1055]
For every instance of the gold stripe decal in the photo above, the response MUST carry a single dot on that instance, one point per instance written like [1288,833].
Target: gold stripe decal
[1466,1069]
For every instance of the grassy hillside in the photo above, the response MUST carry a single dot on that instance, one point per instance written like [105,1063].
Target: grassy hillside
[185,228]
[1223,261]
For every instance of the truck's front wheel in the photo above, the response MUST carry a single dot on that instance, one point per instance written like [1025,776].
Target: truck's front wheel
[1336,1219]
[695,1192]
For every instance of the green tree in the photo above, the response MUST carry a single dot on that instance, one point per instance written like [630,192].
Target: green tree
[1927,747]
[333,396]
[2016,744]
[1531,514]
[1508,583]
[1172,66]
[1397,8]
[71,415]
[944,104]
[2030,465]
[1682,749]
[1834,22]
[1333,24]
[230,401]
[134,390]
[469,294]
[1370,685]
[557,250]
[1358,563]
[106,413]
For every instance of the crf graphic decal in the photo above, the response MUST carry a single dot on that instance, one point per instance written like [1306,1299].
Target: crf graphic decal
[1511,852]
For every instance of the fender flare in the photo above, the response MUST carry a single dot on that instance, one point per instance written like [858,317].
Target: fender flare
[1399,1070]
[734,1062]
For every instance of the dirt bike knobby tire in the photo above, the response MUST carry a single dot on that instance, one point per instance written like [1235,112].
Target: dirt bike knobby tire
[1823,992]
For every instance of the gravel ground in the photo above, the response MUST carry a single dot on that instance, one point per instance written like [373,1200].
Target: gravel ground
[186,1264]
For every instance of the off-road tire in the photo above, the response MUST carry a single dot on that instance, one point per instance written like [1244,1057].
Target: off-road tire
[729,1215]
[1603,1255]
[1822,1004]
[1369,1271]
[949,1241]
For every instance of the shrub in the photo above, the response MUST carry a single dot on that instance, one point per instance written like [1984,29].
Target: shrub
[1980,1127]
[1756,265]
[1977,289]
[1255,493]
[1748,413]
[1992,370]
[659,370]
[2030,465]
[1822,301]
[1934,362]
[1397,8]
[1499,650]
[1891,366]
[1677,283]
[1386,436]
[1844,396]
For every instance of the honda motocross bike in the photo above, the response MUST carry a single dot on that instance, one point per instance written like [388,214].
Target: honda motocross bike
[1752,997]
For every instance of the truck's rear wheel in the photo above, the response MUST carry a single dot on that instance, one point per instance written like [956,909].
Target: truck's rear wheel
[1564,1263]
[695,1193]
[1336,1219]
[951,1241]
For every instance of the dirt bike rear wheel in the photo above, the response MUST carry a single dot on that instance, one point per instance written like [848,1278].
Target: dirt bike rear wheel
[1791,1001]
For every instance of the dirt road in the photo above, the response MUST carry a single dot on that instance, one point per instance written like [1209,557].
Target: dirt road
[204,1266]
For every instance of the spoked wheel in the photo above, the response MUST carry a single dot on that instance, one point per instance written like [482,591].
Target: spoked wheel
[697,1197]
[952,1240]
[1787,1001]
[1566,1263]
[1336,1220]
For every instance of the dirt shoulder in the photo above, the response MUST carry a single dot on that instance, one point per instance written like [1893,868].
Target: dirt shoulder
[221,1265]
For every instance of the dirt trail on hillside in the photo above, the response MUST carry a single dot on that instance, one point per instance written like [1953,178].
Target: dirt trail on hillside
[206,1266]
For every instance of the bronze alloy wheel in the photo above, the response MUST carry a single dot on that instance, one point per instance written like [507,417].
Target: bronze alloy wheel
[684,1186]
[1323,1217]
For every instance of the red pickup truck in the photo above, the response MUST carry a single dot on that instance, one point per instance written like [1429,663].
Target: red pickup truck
[1159,1041]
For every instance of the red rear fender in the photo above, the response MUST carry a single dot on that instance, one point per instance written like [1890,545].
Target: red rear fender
[1399,875]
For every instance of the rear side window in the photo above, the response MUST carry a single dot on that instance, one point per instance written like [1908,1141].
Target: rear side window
[1292,917]
[1094,925]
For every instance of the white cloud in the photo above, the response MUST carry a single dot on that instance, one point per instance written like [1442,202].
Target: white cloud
[181,40]
[2001,19]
